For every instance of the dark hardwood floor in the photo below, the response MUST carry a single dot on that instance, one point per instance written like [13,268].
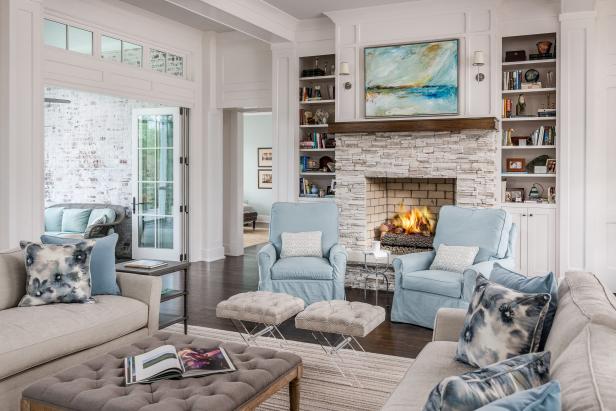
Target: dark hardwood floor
[210,283]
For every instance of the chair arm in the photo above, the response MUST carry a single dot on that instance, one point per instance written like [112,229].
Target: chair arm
[448,324]
[338,259]
[413,262]
[146,289]
[484,268]
[266,257]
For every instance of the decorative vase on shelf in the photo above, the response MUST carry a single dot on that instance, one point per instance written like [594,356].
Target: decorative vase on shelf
[314,189]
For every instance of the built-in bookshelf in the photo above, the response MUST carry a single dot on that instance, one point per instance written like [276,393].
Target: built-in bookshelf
[317,107]
[529,127]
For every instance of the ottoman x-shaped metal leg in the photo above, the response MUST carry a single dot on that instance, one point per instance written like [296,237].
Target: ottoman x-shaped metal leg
[333,351]
[250,336]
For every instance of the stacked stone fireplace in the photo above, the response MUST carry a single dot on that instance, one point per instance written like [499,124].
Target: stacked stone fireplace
[375,171]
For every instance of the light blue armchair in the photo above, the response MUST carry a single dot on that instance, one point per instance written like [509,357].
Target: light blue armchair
[310,278]
[419,292]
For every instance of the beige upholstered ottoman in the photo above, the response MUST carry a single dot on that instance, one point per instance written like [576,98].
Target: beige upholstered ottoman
[261,307]
[98,384]
[347,319]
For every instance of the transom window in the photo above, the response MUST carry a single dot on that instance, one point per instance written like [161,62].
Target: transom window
[166,62]
[67,37]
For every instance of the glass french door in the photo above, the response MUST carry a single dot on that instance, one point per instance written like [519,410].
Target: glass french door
[158,218]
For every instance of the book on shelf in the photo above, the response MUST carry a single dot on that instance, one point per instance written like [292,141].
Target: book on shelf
[146,264]
[165,363]
[507,107]
[541,136]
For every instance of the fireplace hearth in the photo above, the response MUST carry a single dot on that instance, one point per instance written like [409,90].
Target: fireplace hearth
[403,212]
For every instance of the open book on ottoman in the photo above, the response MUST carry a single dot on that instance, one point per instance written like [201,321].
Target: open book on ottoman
[166,363]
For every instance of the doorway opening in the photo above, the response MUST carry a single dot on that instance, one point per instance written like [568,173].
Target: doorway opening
[257,148]
[124,157]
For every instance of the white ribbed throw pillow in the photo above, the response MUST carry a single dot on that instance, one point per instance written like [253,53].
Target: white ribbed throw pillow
[306,244]
[454,258]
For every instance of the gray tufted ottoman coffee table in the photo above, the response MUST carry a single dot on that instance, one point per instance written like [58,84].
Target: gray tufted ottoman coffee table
[347,319]
[99,383]
[261,307]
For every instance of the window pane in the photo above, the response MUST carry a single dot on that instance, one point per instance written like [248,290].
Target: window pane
[175,65]
[111,49]
[157,60]
[79,40]
[164,232]
[132,53]
[54,34]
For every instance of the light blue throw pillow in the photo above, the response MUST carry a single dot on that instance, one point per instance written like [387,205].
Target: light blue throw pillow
[474,389]
[544,398]
[102,263]
[545,284]
[75,220]
[53,218]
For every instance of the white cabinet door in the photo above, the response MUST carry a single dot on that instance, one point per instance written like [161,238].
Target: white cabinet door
[519,218]
[541,238]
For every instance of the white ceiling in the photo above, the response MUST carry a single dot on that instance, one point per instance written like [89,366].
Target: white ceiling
[308,9]
[173,12]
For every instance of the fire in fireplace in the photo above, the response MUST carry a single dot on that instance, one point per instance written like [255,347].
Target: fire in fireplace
[410,229]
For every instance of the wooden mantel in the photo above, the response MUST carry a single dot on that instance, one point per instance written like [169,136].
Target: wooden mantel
[419,124]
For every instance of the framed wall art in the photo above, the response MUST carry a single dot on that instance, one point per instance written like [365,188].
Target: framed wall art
[417,79]
[264,156]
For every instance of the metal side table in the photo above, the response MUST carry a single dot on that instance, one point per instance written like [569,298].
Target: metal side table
[379,269]
[170,268]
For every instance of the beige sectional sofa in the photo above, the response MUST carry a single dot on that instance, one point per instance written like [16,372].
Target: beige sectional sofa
[38,341]
[582,342]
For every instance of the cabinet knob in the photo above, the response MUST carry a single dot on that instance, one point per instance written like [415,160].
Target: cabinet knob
[523,215]
[530,215]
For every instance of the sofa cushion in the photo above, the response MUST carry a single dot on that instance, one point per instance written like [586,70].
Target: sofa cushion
[474,389]
[12,277]
[75,220]
[433,363]
[302,268]
[30,336]
[57,273]
[586,368]
[581,295]
[486,228]
[500,323]
[439,282]
[53,218]
[544,398]
[108,213]
[538,284]
[102,264]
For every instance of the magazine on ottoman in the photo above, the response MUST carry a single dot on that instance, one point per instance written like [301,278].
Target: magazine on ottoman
[165,362]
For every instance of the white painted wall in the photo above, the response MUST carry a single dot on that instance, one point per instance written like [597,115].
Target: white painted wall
[257,133]
[244,67]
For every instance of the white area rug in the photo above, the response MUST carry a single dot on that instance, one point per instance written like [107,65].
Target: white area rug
[258,236]
[322,387]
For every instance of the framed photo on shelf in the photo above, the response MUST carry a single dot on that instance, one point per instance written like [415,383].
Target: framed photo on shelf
[265,179]
[550,164]
[516,165]
[264,156]
[514,195]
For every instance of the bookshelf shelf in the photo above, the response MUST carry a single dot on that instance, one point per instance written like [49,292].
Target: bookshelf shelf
[527,175]
[532,91]
[317,78]
[528,147]
[317,134]
[522,119]
[318,102]
[531,63]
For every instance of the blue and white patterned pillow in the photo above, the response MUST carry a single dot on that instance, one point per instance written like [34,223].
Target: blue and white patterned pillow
[57,273]
[500,323]
[474,389]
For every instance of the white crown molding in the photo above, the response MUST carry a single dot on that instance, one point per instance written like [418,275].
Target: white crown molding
[578,15]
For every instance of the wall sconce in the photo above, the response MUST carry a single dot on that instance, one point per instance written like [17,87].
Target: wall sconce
[479,61]
[345,71]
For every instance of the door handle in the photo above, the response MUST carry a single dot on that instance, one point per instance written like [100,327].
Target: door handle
[135,204]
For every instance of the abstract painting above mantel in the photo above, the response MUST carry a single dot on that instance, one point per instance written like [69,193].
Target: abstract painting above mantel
[418,79]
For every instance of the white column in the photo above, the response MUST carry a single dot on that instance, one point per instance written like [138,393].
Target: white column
[209,174]
[21,122]
[577,39]
[285,112]
[233,136]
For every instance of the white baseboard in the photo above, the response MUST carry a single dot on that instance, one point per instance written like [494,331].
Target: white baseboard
[234,250]
[213,254]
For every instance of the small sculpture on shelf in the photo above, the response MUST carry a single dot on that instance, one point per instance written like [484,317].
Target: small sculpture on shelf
[520,107]
[321,116]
